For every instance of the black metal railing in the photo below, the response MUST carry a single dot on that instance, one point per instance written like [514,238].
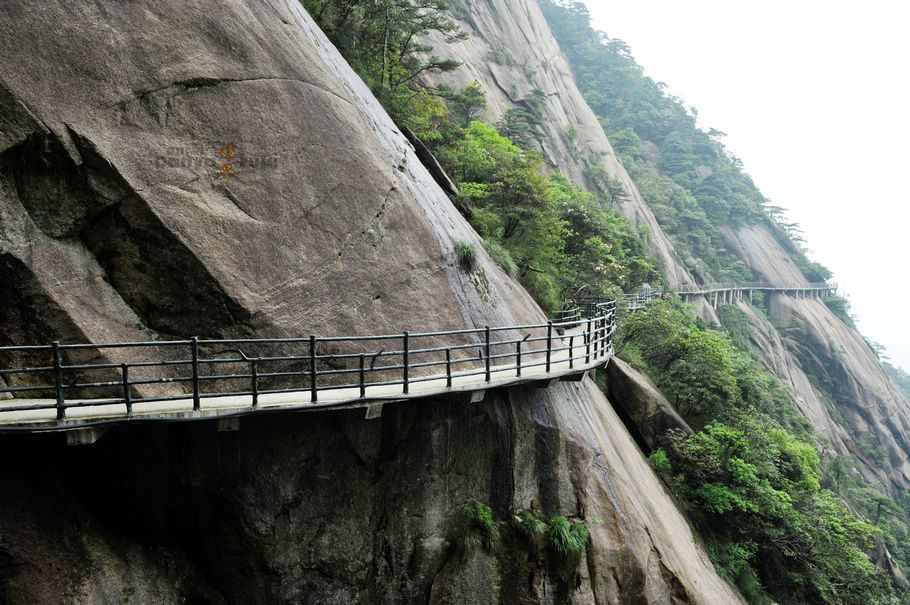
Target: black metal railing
[61,377]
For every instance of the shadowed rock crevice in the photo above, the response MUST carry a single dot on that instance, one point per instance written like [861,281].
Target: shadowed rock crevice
[61,193]
[27,313]
[160,278]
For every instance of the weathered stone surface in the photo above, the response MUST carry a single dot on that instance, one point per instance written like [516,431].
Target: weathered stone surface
[329,507]
[125,216]
[779,361]
[53,550]
[757,247]
[649,412]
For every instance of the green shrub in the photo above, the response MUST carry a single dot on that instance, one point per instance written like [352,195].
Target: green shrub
[467,255]
[481,529]
[840,306]
[567,540]
[532,528]
[661,462]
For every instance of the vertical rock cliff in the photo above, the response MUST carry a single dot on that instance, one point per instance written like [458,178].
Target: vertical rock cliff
[217,169]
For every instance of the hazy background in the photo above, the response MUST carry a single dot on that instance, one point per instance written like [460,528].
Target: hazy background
[813,97]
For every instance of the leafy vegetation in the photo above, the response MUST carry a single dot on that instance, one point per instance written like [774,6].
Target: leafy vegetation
[481,530]
[563,539]
[567,540]
[749,476]
[467,254]
[840,306]
[381,39]
[532,528]
[550,233]
[899,376]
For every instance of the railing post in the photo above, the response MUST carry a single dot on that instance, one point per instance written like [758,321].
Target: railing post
[406,338]
[127,396]
[487,351]
[571,352]
[313,390]
[363,377]
[611,329]
[588,343]
[518,358]
[595,341]
[549,344]
[58,379]
[194,349]
[449,368]
[254,377]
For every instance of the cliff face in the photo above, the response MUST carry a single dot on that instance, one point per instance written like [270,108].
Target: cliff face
[217,169]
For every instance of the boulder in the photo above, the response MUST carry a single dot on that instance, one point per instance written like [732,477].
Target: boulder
[644,409]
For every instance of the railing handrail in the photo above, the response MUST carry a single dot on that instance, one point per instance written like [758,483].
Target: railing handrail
[762,285]
[395,360]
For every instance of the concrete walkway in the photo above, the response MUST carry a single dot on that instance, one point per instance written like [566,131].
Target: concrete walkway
[565,363]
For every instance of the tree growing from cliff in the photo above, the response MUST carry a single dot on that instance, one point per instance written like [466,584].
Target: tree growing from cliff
[382,40]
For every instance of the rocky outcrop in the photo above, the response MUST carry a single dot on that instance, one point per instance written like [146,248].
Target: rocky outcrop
[646,411]
[217,169]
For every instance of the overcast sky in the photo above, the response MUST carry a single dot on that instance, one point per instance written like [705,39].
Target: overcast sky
[814,99]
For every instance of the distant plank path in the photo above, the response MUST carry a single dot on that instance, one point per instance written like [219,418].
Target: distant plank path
[82,387]
[729,292]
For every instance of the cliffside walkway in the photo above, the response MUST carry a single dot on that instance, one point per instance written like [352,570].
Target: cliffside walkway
[728,293]
[65,387]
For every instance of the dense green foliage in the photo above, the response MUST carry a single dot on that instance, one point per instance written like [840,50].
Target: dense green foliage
[687,176]
[749,476]
[539,226]
[381,39]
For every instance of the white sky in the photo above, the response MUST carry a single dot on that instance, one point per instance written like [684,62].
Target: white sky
[814,99]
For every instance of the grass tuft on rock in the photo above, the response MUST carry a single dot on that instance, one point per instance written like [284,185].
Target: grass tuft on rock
[467,254]
[567,540]
[532,528]
[481,529]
